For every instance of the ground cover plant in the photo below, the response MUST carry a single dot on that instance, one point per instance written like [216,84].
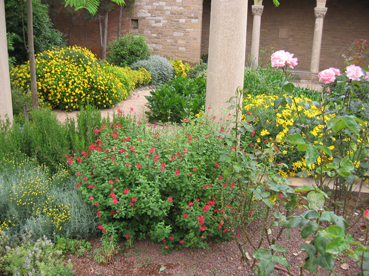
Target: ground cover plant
[70,78]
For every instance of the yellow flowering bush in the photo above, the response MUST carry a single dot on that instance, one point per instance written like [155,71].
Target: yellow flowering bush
[180,68]
[68,78]
[140,77]
[274,125]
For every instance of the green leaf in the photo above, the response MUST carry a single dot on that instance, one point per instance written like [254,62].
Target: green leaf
[339,126]
[288,234]
[333,231]
[278,248]
[311,154]
[278,102]
[317,104]
[338,245]
[294,222]
[351,124]
[310,214]
[304,188]
[162,268]
[311,264]
[265,267]
[309,229]
[295,139]
[310,249]
[225,157]
[316,200]
[343,172]
[325,149]
[289,87]
[262,254]
[281,260]
[321,242]
[326,261]
[347,164]
[326,216]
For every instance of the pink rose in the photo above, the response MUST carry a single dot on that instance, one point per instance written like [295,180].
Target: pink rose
[327,76]
[291,61]
[367,76]
[279,59]
[336,71]
[354,72]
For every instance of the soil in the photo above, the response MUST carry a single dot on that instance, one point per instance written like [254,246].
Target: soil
[147,258]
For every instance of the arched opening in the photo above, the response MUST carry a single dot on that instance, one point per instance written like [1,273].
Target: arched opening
[206,7]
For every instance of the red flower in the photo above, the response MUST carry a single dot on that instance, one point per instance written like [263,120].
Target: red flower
[225,230]
[366,214]
[166,247]
[205,187]
[177,172]
[104,230]
[91,197]
[181,242]
[113,213]
[164,241]
[202,228]
[216,164]
[194,169]
[251,212]
[138,166]
[98,214]
[127,236]
[100,226]
[112,195]
[115,201]
[190,204]
[77,186]
[127,165]
[131,203]
[96,204]
[171,238]
[185,216]
[126,191]
[170,199]
[134,199]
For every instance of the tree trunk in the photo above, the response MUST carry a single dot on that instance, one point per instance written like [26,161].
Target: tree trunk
[31,53]
[105,39]
[100,34]
[120,20]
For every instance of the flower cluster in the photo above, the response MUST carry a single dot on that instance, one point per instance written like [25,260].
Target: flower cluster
[282,58]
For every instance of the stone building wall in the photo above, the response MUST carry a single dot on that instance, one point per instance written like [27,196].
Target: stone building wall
[172,28]
[180,28]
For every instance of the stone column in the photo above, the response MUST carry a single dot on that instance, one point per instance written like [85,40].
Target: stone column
[227,44]
[257,11]
[6,108]
[319,12]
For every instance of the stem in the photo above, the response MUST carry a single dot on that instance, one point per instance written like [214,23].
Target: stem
[362,255]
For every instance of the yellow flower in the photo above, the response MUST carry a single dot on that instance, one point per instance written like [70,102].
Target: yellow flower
[264,132]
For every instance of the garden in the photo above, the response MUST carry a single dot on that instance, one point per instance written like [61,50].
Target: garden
[178,193]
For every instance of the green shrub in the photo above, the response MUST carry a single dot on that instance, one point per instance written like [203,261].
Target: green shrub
[262,81]
[180,68]
[125,50]
[196,70]
[160,68]
[162,184]
[32,258]
[139,77]
[176,100]
[69,78]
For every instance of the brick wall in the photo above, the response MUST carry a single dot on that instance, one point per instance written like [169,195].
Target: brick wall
[180,28]
[85,33]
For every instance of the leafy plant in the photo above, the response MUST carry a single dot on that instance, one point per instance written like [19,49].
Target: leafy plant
[71,246]
[176,100]
[180,68]
[125,50]
[32,258]
[197,70]
[160,68]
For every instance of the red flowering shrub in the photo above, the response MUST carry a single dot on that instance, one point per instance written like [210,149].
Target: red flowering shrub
[164,184]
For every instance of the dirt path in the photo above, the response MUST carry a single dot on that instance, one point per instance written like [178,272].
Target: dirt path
[134,105]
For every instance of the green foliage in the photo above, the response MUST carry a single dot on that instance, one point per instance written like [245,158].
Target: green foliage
[266,81]
[176,100]
[9,40]
[71,246]
[71,78]
[32,258]
[33,201]
[180,68]
[162,184]
[45,37]
[125,50]
[197,70]
[109,248]
[138,77]
[160,68]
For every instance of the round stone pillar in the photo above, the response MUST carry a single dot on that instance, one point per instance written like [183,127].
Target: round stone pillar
[6,108]
[318,32]
[226,62]
[257,11]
